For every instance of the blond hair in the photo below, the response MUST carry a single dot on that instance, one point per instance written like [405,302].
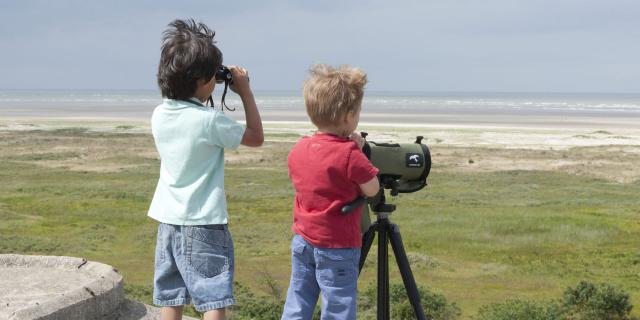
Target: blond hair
[331,93]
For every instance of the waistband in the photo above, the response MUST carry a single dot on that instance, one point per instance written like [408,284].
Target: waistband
[203,226]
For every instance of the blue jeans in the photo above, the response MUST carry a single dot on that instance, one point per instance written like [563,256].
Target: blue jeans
[330,272]
[193,263]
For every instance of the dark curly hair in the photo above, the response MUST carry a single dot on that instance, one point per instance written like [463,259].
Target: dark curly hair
[188,54]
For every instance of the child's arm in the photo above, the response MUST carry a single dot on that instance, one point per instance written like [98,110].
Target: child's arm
[253,135]
[371,187]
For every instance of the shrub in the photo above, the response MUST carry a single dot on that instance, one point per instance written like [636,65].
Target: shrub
[586,301]
[250,306]
[589,301]
[435,305]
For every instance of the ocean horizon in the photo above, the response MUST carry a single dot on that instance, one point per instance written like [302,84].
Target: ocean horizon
[490,108]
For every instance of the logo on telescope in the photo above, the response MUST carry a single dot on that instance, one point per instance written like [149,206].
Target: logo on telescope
[414,160]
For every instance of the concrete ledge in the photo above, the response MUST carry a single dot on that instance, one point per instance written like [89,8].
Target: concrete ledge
[56,288]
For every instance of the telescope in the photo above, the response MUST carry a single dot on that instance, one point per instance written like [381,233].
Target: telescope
[403,168]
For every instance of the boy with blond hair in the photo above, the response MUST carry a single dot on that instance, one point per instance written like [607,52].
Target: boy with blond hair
[328,170]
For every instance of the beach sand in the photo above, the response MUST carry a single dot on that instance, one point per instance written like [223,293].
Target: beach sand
[602,147]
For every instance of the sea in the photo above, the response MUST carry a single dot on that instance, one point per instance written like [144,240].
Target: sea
[400,108]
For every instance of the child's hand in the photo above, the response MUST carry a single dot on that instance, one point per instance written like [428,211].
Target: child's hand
[358,139]
[240,82]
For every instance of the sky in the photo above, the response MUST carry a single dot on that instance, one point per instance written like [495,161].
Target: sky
[403,45]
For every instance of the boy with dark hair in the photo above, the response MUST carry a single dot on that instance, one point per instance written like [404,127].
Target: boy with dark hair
[194,259]
[328,170]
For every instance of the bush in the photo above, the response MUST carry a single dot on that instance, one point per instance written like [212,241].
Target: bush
[588,301]
[266,307]
[435,305]
[249,306]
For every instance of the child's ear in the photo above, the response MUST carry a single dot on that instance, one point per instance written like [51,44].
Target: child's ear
[201,82]
[346,116]
[351,114]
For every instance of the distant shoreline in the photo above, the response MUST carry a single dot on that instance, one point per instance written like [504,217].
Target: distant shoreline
[427,119]
[606,147]
[447,110]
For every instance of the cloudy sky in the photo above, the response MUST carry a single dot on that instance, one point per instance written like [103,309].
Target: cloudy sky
[403,45]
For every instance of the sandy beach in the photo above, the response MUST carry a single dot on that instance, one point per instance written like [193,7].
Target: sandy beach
[605,147]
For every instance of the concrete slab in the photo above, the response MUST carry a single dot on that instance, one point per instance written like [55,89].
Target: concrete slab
[51,288]
[65,288]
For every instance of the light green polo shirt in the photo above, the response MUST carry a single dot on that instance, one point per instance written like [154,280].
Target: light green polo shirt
[191,139]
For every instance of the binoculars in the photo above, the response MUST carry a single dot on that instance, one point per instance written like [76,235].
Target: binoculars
[223,74]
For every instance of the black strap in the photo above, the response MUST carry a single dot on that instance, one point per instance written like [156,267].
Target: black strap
[224,94]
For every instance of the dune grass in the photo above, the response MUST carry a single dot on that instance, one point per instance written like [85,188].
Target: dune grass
[476,237]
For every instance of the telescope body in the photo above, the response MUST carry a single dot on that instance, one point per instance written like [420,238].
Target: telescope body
[403,166]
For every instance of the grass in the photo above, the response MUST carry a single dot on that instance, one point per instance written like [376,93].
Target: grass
[476,237]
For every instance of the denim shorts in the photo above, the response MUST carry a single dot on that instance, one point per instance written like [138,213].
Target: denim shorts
[193,264]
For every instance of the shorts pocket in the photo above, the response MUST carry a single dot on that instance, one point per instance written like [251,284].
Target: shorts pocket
[208,250]
[297,245]
[337,267]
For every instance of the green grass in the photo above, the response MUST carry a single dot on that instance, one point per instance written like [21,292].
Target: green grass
[477,238]
[71,131]
[44,156]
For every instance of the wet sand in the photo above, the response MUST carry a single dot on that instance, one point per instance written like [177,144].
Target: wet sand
[454,118]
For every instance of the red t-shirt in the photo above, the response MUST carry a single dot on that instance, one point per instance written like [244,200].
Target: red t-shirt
[326,171]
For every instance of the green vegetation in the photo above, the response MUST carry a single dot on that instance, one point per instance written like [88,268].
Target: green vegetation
[586,301]
[474,238]
[269,307]
[71,131]
[435,305]
[520,310]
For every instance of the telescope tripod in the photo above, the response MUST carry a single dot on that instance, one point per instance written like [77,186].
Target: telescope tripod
[389,232]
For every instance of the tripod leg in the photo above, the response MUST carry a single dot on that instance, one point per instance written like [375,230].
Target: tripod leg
[383,271]
[367,240]
[405,271]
